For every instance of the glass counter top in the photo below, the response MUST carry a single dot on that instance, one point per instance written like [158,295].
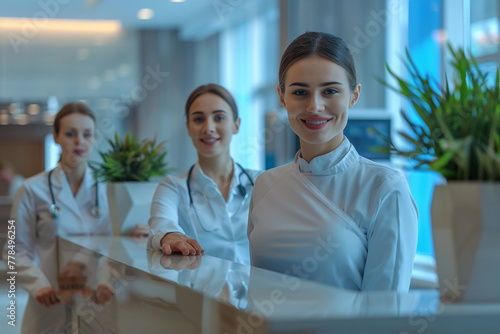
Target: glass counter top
[205,294]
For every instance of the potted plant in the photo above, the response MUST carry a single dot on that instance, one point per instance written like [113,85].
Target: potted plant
[127,168]
[455,131]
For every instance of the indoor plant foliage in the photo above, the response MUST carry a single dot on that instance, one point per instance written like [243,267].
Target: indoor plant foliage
[457,133]
[132,160]
[127,168]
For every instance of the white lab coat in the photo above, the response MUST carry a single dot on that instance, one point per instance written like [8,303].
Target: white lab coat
[219,226]
[16,182]
[342,220]
[36,244]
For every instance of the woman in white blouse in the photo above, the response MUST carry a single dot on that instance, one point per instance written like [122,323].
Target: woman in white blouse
[206,208]
[331,215]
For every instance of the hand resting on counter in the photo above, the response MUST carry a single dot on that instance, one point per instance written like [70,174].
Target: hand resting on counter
[180,243]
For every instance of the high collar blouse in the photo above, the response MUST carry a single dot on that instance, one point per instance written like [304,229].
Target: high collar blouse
[341,219]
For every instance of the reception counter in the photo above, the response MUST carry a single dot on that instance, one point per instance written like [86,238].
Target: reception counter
[155,293]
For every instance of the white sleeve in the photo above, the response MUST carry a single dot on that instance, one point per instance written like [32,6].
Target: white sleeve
[392,238]
[164,216]
[24,212]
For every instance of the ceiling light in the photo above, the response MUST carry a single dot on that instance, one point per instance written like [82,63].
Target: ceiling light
[177,0]
[145,14]
[60,25]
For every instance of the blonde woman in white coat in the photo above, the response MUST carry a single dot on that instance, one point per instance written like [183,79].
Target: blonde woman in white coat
[61,204]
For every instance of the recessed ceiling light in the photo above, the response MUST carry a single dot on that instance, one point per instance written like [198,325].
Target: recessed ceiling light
[145,14]
[177,0]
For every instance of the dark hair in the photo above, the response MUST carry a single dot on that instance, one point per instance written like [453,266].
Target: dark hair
[214,89]
[322,44]
[72,108]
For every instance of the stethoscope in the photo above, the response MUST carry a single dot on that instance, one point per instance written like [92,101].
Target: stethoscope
[55,210]
[241,188]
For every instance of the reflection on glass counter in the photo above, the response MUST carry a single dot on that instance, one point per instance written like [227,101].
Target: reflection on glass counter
[152,292]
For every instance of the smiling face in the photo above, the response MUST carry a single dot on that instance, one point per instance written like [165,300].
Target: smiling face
[211,125]
[76,137]
[317,97]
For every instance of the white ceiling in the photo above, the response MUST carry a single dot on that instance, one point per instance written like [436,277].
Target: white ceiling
[167,14]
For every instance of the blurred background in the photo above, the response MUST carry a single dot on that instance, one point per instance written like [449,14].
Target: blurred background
[135,62]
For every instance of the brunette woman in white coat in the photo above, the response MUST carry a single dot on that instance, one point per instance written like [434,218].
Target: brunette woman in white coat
[64,201]
[206,208]
[331,215]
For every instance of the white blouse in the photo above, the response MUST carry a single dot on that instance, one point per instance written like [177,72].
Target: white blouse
[219,226]
[342,220]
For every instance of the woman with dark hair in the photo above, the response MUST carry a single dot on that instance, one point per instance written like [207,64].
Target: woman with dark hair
[206,208]
[331,215]
[60,202]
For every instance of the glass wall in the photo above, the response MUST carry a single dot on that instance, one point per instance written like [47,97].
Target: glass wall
[43,70]
[485,35]
[249,68]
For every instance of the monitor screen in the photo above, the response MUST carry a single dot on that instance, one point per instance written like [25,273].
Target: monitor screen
[362,133]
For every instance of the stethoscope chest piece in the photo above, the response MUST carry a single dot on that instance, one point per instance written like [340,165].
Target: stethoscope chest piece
[54,210]
[96,212]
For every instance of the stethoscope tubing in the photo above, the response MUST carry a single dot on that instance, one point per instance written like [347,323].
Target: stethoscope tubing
[55,210]
[241,188]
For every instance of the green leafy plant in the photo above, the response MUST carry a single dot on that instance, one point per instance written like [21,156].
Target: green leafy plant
[131,160]
[456,131]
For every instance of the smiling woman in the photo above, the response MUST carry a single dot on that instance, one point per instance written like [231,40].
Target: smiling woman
[317,96]
[331,215]
[206,208]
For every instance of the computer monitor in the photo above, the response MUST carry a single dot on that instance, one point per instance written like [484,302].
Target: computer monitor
[363,134]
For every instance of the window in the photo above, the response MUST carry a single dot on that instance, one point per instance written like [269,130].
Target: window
[249,69]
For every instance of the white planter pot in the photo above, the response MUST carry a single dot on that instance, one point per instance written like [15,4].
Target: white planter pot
[129,204]
[466,233]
